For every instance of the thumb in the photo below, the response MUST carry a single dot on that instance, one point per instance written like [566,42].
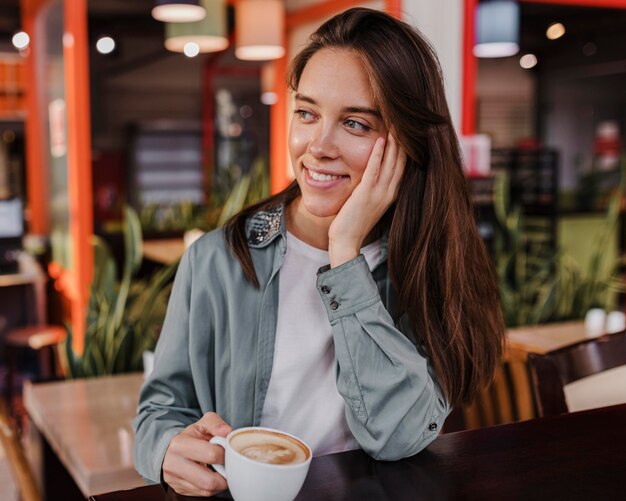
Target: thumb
[212,424]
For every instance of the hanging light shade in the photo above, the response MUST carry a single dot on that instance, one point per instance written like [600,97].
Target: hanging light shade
[178,11]
[497,28]
[210,34]
[259,26]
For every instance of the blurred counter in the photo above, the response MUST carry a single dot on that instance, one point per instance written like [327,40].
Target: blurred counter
[87,425]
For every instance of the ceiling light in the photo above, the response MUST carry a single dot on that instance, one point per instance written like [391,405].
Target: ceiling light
[105,45]
[21,40]
[260,27]
[209,34]
[528,61]
[497,29]
[191,49]
[555,30]
[178,11]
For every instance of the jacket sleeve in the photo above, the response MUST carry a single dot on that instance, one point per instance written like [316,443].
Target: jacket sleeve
[394,404]
[167,402]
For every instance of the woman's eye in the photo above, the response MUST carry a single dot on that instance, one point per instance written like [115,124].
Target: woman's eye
[358,126]
[304,114]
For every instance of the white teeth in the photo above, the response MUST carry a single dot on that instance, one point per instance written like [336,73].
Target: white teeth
[321,177]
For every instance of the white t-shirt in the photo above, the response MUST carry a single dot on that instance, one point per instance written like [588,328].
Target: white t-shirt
[302,397]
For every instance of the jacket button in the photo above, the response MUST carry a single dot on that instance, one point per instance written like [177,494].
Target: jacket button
[334,305]
[325,289]
[432,426]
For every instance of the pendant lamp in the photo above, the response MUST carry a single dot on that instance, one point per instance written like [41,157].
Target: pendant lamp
[181,11]
[210,34]
[497,28]
[259,27]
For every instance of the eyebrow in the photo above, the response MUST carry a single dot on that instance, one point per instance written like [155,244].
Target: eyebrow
[348,109]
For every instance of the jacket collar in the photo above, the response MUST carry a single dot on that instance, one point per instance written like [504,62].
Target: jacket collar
[264,226]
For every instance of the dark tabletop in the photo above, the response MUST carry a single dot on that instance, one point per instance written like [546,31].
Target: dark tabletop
[579,456]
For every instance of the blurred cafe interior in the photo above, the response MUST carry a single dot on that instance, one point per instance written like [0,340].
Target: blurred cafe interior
[124,137]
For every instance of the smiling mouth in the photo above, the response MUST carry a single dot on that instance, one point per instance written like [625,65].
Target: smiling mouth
[318,176]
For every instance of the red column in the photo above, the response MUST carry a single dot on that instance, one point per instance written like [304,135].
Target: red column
[76,62]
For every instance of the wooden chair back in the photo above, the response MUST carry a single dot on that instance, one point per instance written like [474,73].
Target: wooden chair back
[18,463]
[550,372]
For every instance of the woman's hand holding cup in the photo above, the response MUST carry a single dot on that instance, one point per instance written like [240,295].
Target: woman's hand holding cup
[185,464]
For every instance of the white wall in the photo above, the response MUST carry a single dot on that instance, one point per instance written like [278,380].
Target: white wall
[441,21]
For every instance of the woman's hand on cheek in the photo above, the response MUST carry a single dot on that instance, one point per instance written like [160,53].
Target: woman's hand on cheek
[368,202]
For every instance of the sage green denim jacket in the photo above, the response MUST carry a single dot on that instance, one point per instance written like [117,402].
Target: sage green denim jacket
[216,348]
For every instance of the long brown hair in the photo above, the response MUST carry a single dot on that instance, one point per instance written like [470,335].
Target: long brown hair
[437,262]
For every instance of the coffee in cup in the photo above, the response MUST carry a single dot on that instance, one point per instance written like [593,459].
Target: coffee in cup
[262,464]
[270,447]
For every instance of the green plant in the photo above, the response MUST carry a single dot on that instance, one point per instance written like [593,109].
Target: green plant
[123,318]
[540,285]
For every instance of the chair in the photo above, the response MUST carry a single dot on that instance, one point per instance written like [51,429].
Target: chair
[12,446]
[550,372]
[43,339]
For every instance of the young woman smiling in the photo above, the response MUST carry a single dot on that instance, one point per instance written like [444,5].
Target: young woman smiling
[354,308]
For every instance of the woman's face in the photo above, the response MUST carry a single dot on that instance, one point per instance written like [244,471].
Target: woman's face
[333,130]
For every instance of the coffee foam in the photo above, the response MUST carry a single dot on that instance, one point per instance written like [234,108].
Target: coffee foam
[269,447]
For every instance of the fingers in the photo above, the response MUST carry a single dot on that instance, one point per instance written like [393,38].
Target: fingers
[198,480]
[197,449]
[389,168]
[372,169]
[186,459]
[211,425]
[398,171]
[388,163]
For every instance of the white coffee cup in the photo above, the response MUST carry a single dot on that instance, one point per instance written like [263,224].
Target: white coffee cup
[258,480]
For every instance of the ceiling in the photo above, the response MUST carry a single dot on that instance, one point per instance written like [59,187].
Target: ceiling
[602,27]
[583,24]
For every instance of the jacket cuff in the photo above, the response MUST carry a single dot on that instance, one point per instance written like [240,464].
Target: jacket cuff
[347,289]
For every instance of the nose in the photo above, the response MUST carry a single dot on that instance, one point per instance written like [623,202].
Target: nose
[323,142]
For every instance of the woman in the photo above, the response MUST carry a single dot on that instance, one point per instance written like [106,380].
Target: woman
[370,350]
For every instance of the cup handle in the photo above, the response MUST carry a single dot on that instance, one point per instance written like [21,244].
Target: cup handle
[221,441]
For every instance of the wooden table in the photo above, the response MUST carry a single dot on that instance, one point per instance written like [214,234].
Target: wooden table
[87,425]
[544,338]
[579,456]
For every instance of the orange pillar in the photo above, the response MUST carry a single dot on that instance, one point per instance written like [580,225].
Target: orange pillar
[76,71]
[36,171]
[468,98]
[394,7]
[279,177]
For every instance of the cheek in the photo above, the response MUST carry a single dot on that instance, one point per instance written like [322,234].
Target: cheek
[297,140]
[357,157]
